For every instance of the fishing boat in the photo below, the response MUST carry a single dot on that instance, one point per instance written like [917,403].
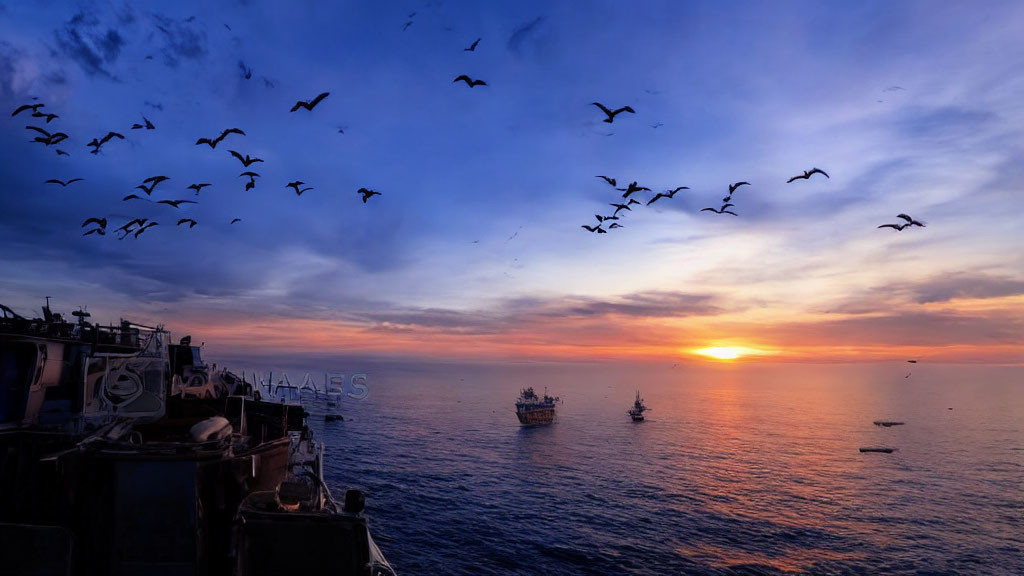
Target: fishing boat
[122,453]
[881,449]
[638,409]
[532,409]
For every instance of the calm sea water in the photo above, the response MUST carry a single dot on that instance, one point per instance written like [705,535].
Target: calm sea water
[738,470]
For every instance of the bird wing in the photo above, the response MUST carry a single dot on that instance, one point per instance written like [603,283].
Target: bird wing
[916,223]
[656,196]
[236,220]
[149,125]
[168,202]
[905,217]
[204,141]
[819,171]
[893,226]
[603,109]
[319,97]
[183,220]
[733,187]
[112,135]
[298,105]
[793,178]
[131,196]
[91,221]
[38,129]
[249,174]
[728,212]
[21,109]
[624,109]
[708,210]
[464,78]
[237,155]
[137,126]
[55,181]
[75,180]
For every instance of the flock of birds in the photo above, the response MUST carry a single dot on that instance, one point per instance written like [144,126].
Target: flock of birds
[135,227]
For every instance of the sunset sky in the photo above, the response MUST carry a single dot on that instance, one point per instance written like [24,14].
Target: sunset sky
[475,248]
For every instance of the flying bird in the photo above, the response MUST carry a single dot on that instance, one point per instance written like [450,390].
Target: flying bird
[197,187]
[896,227]
[733,187]
[236,220]
[145,227]
[97,144]
[721,210]
[146,124]
[656,197]
[213,143]
[62,183]
[101,222]
[597,229]
[47,139]
[469,81]
[807,174]
[631,189]
[246,160]
[621,207]
[672,193]
[472,47]
[33,107]
[252,179]
[616,225]
[132,197]
[367,194]
[152,181]
[192,223]
[610,113]
[176,203]
[910,221]
[312,103]
[296,186]
[608,180]
[62,153]
[48,117]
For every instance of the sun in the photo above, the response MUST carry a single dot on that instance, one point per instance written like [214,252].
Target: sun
[721,353]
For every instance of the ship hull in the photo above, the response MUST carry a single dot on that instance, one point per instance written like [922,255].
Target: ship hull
[536,416]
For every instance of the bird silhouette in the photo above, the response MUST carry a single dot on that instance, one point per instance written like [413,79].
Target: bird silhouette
[48,117]
[62,153]
[608,180]
[807,174]
[132,197]
[63,184]
[597,229]
[632,189]
[312,103]
[101,222]
[612,113]
[733,187]
[672,193]
[152,181]
[146,124]
[213,143]
[721,210]
[472,47]
[252,179]
[616,225]
[910,221]
[47,139]
[236,220]
[197,187]
[896,227]
[97,144]
[297,187]
[367,194]
[33,107]
[246,160]
[656,197]
[176,203]
[145,227]
[127,228]
[192,223]
[619,207]
[469,81]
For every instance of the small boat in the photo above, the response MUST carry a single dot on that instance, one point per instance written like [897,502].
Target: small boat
[881,449]
[887,423]
[638,409]
[333,417]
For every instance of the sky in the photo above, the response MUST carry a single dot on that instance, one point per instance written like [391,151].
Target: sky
[475,248]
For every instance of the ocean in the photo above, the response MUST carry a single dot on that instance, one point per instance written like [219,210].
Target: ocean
[739,469]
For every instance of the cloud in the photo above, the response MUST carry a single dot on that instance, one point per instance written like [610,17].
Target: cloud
[182,41]
[95,47]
